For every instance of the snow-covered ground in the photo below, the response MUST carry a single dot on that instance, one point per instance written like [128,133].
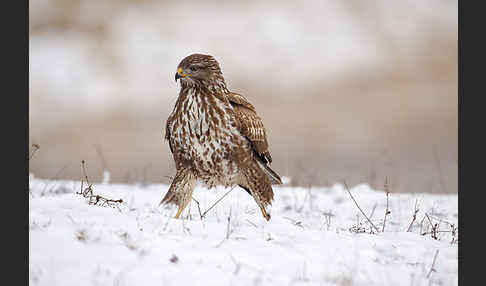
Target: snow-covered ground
[316,236]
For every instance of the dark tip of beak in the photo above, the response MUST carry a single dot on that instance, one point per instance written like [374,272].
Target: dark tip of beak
[177,76]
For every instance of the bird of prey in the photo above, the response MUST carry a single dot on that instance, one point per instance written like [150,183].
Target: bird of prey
[216,137]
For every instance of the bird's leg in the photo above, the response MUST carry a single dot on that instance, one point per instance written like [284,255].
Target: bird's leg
[186,192]
[180,190]
[179,212]
[184,203]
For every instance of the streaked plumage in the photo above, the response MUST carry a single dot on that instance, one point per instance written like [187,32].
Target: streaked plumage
[216,137]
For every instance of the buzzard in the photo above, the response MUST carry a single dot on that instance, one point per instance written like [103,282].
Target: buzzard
[216,137]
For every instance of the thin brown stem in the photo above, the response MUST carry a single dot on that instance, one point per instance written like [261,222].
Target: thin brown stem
[435,228]
[433,263]
[204,213]
[387,211]
[416,210]
[36,147]
[228,229]
[356,203]
[198,209]
[373,210]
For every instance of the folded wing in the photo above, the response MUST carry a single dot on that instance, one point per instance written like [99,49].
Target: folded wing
[251,125]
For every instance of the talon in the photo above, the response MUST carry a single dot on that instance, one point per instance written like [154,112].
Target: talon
[265,214]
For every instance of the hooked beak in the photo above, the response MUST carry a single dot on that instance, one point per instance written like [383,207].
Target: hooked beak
[177,76]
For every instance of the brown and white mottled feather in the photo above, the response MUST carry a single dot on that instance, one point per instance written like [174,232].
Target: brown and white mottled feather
[251,125]
[216,137]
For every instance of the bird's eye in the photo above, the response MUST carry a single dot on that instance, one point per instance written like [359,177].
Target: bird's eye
[194,68]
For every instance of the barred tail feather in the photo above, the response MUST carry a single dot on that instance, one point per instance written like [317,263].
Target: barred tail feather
[258,185]
[271,174]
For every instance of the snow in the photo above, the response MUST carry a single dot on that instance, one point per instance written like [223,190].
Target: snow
[309,240]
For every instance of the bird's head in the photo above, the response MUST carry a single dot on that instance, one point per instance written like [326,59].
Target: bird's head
[199,69]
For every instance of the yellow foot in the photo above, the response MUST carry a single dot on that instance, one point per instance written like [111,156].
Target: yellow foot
[179,213]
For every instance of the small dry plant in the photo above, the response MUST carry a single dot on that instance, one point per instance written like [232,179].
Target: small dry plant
[35,148]
[431,225]
[387,211]
[360,227]
[93,199]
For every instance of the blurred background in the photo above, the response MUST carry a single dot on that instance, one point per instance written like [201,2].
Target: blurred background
[348,90]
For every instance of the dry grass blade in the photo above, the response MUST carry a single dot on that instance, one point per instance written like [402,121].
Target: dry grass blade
[373,210]
[435,228]
[198,208]
[356,203]
[36,147]
[416,210]
[205,212]
[453,233]
[433,263]
[228,229]
[387,211]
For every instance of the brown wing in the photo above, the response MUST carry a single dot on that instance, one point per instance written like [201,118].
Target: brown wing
[251,125]
[167,132]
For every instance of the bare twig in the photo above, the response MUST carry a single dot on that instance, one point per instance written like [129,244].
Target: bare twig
[439,219]
[327,218]
[453,233]
[416,210]
[84,171]
[347,189]
[205,212]
[387,211]
[198,208]
[36,147]
[373,210]
[295,222]
[435,228]
[435,231]
[253,224]
[433,263]
[228,232]
[88,191]
[95,199]
[422,224]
